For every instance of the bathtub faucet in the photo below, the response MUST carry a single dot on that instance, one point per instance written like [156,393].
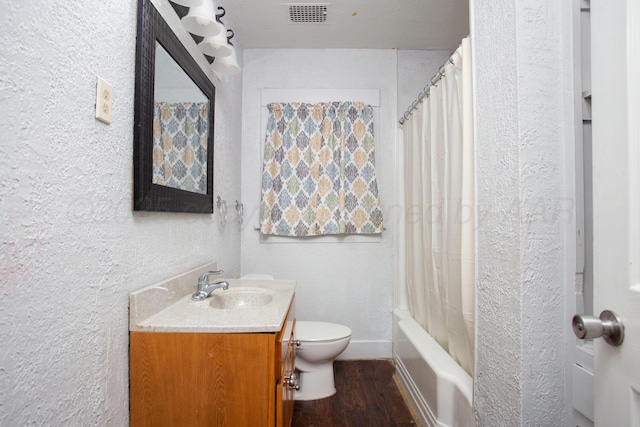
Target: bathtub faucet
[204,288]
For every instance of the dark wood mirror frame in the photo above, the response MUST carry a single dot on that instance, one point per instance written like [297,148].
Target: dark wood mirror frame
[146,195]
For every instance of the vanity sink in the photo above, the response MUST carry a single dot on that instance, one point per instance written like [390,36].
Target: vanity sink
[238,298]
[248,329]
[247,306]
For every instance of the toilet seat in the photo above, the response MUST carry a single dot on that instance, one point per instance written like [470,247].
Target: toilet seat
[312,331]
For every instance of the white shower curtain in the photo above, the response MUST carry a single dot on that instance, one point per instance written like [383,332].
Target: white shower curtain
[439,200]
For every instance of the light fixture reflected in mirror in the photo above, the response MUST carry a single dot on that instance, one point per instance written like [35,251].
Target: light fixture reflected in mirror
[201,20]
[188,3]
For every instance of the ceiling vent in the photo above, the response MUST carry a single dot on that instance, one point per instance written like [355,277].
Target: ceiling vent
[307,13]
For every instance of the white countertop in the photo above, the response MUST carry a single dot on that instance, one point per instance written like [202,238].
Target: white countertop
[168,307]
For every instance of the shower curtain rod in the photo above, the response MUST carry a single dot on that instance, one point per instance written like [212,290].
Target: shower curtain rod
[425,92]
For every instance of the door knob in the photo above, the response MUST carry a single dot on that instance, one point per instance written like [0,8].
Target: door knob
[609,326]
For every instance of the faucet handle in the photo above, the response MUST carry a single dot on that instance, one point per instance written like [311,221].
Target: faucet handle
[206,274]
[203,280]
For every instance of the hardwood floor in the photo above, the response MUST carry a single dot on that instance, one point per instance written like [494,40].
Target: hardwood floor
[366,396]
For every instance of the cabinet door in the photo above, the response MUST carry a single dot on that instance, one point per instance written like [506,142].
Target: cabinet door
[285,387]
[193,379]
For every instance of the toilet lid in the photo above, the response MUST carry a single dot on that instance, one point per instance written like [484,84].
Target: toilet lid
[320,331]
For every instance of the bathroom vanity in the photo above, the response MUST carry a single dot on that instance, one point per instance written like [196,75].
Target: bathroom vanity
[225,361]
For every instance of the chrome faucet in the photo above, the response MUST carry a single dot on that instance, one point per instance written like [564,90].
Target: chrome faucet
[204,288]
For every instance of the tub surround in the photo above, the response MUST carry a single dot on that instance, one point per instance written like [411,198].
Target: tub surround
[167,306]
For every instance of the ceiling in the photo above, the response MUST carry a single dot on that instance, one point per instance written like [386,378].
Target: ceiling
[359,24]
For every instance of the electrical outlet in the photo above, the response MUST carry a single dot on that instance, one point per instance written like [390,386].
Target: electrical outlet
[103,101]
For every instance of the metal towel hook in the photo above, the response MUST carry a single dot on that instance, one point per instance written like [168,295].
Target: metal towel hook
[222,208]
[240,211]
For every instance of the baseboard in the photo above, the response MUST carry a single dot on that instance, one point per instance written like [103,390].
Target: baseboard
[367,349]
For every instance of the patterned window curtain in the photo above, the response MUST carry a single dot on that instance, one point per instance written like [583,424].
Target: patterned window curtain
[180,134]
[319,170]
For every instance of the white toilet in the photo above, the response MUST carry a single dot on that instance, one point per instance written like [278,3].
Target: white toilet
[320,344]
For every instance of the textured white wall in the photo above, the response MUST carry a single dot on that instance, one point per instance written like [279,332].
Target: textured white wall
[415,69]
[348,283]
[71,249]
[526,249]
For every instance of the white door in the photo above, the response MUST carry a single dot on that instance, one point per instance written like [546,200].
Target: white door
[615,65]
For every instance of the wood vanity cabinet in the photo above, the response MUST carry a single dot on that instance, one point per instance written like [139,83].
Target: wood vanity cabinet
[212,379]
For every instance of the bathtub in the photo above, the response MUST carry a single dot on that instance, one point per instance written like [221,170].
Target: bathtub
[437,388]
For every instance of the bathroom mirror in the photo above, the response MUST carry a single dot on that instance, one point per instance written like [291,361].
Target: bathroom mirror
[173,122]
